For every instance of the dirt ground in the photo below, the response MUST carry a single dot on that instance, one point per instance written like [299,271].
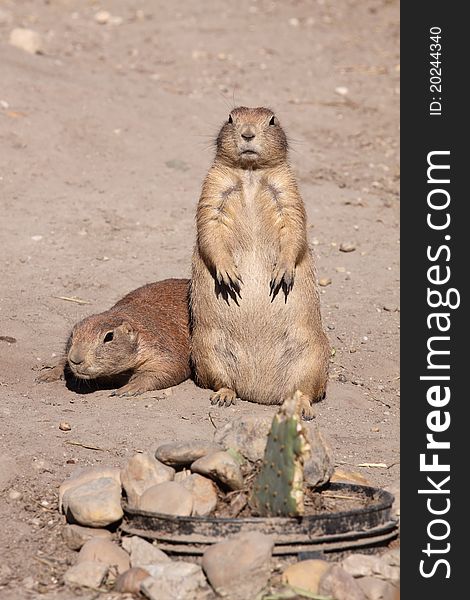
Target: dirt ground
[104,141]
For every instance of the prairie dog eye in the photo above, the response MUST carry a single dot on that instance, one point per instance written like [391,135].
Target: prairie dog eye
[273,120]
[230,119]
[108,337]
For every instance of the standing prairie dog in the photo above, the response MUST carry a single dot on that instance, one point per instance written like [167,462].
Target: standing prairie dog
[255,310]
[144,336]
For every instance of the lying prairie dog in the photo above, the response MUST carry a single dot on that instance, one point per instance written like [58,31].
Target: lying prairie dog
[145,336]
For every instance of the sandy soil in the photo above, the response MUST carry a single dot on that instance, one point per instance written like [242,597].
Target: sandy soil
[104,141]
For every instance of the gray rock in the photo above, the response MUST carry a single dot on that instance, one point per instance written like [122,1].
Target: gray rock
[94,504]
[176,580]
[340,585]
[87,574]
[182,454]
[222,467]
[169,498]
[369,565]
[142,553]
[129,581]
[204,493]
[141,473]
[84,475]
[240,566]
[377,589]
[106,553]
[248,434]
[26,39]
[76,535]
[319,466]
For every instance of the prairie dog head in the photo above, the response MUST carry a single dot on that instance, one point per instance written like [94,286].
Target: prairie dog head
[252,138]
[102,347]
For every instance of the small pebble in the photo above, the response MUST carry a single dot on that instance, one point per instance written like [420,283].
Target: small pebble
[102,17]
[64,426]
[341,90]
[324,281]
[26,39]
[347,247]
[178,165]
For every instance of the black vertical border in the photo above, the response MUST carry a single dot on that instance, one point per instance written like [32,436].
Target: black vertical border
[420,134]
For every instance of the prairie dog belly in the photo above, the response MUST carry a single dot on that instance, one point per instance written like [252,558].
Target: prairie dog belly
[264,338]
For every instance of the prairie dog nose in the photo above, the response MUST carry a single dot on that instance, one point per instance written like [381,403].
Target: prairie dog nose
[247,134]
[75,357]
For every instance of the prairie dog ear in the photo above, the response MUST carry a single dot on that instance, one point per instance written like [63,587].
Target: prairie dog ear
[127,329]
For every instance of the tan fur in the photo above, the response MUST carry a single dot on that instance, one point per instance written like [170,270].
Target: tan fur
[150,340]
[255,310]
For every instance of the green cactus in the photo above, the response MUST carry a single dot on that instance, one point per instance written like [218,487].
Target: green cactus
[278,487]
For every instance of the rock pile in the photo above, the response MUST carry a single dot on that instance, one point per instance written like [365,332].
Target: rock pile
[186,479]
